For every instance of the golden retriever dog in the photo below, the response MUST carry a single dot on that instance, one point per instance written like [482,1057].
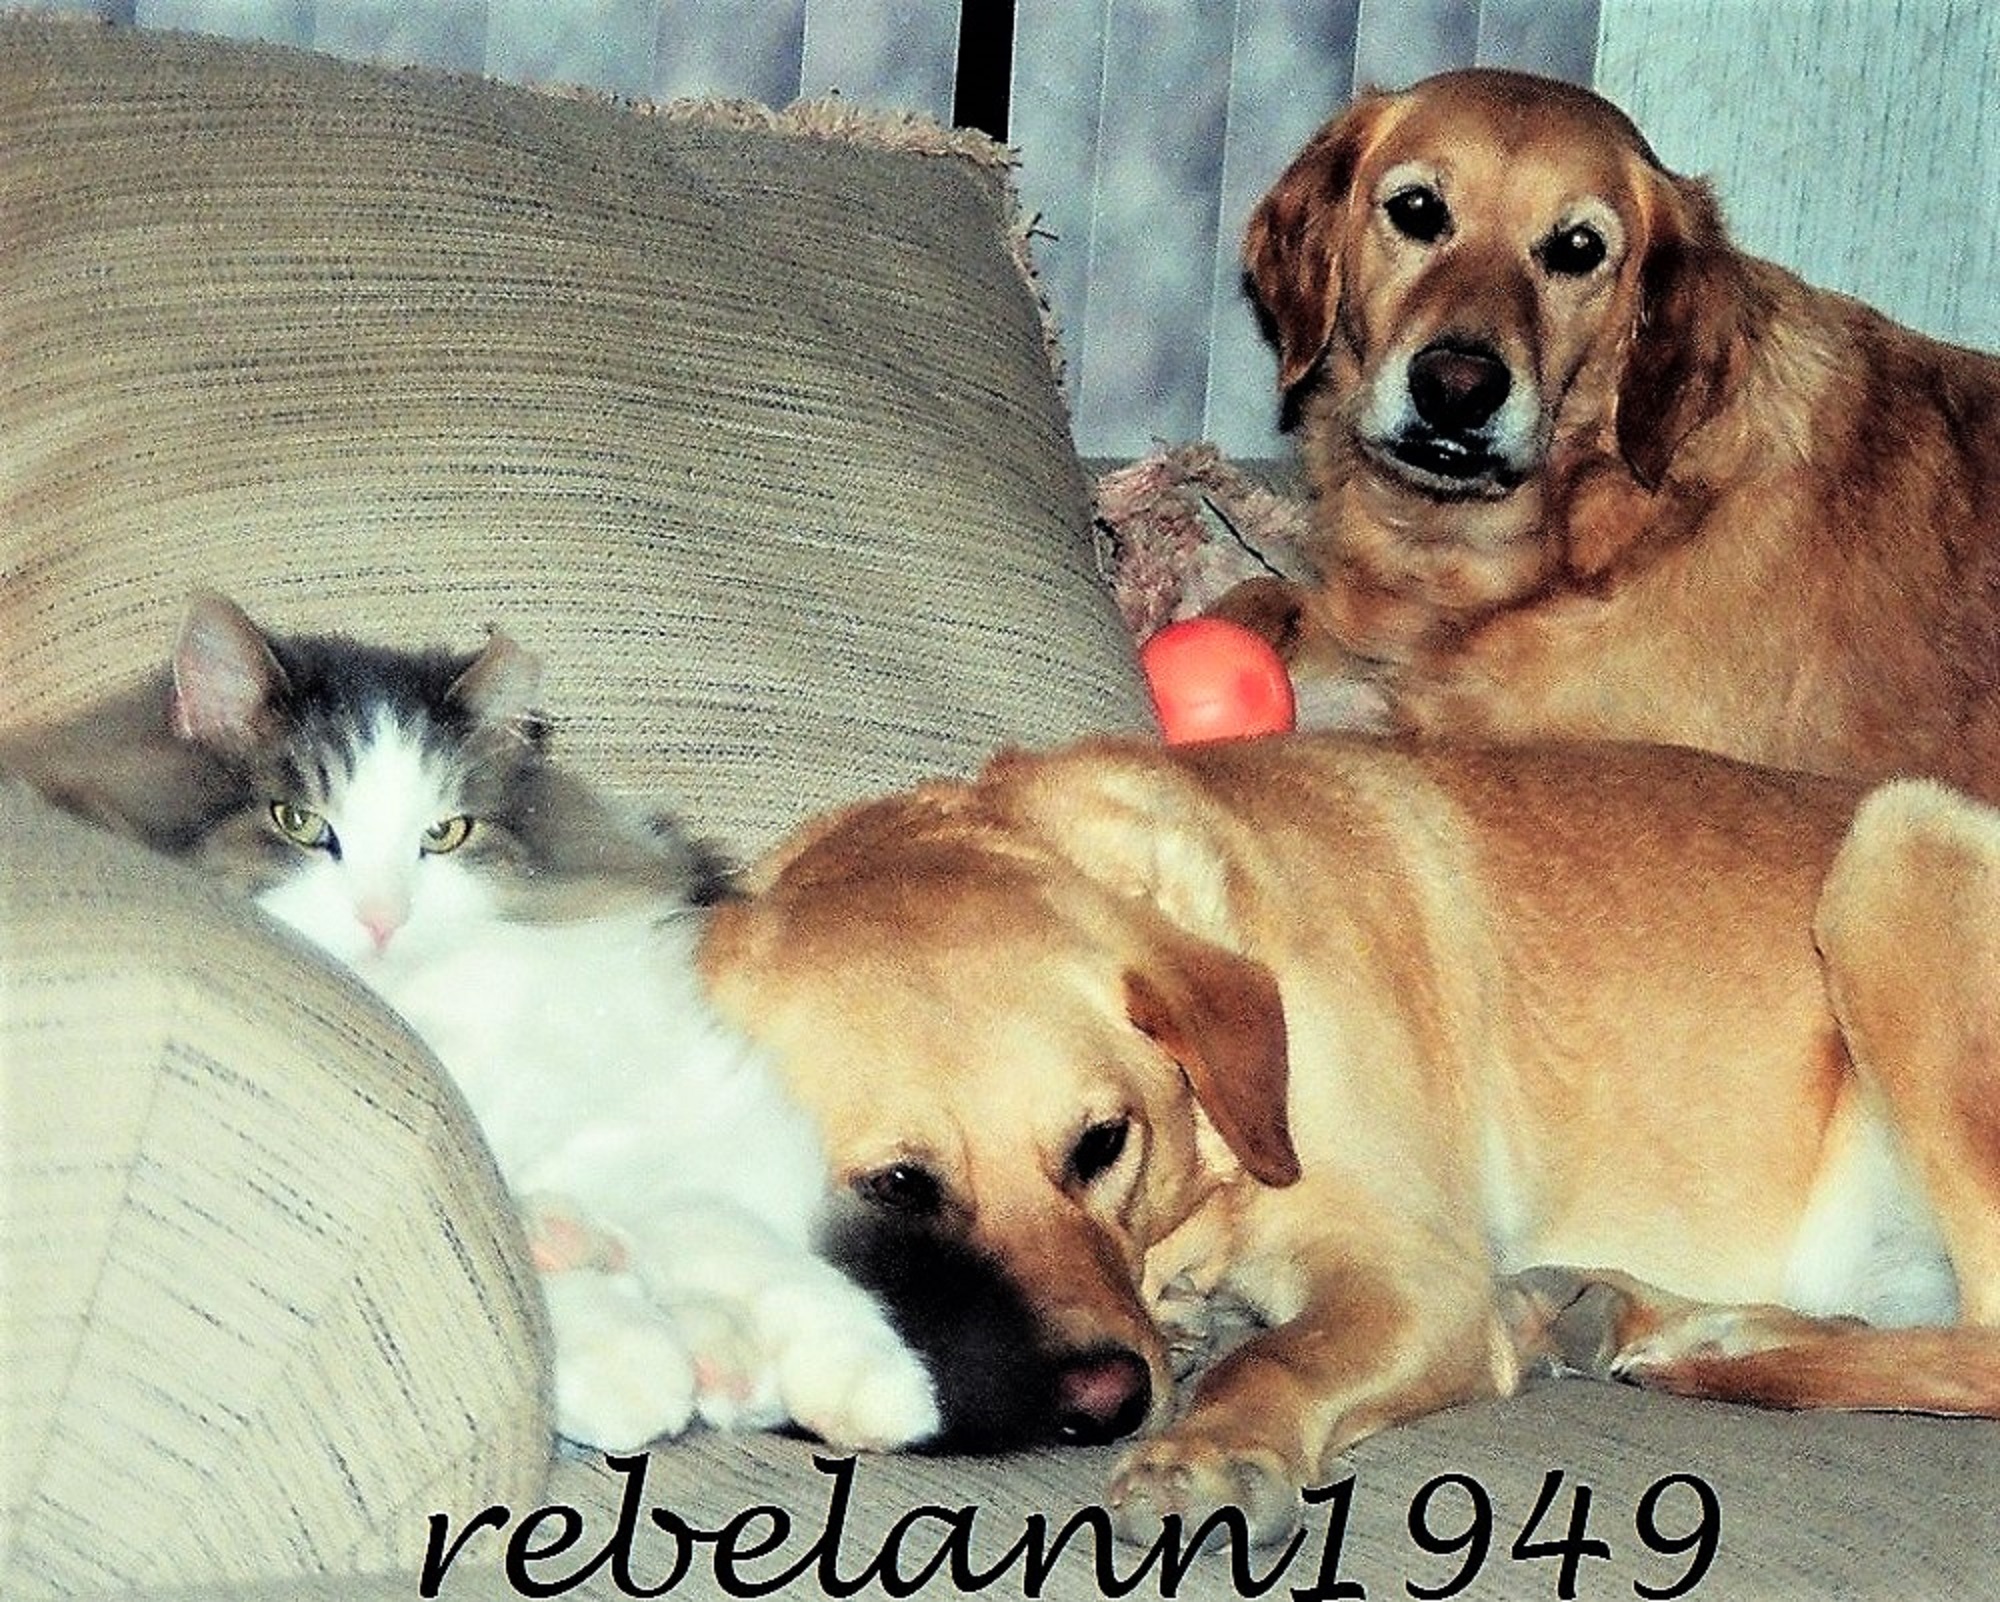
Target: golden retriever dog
[1581,468]
[1355,1031]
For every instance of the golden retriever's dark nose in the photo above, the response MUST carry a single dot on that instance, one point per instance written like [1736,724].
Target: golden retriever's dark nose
[1101,1395]
[1457,387]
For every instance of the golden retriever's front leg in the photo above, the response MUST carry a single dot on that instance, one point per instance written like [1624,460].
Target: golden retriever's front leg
[1369,1350]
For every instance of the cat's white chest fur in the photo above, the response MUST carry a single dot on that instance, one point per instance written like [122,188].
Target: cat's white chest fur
[605,1086]
[597,1070]
[583,1044]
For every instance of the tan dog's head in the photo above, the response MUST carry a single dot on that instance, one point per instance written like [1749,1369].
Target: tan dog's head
[1042,1061]
[1486,264]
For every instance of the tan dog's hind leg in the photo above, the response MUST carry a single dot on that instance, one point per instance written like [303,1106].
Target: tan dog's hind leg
[1608,1325]
[1909,931]
[1375,1347]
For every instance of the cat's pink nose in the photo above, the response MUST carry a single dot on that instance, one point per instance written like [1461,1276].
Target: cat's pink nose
[381,924]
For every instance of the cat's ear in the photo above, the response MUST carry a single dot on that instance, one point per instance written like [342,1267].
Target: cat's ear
[501,687]
[226,681]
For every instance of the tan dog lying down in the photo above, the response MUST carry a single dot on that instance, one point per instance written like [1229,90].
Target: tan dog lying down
[1355,1032]
[1582,468]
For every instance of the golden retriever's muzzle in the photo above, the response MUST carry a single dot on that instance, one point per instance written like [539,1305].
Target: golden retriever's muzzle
[1450,420]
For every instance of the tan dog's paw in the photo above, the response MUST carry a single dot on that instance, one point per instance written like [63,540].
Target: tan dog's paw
[1571,1320]
[1671,1357]
[1608,1325]
[1194,1479]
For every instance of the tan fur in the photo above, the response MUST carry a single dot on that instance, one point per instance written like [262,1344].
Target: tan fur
[1764,520]
[1390,1023]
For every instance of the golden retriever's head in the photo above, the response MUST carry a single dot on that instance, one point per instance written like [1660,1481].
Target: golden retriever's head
[1485,266]
[1036,1059]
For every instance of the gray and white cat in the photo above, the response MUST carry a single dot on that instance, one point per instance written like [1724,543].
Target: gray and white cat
[396,809]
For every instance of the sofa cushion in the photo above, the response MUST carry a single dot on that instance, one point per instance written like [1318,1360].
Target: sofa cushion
[745,422]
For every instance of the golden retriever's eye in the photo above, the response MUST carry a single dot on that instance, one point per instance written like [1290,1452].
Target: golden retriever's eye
[440,839]
[1098,1149]
[902,1188]
[1418,213]
[1574,252]
[302,826]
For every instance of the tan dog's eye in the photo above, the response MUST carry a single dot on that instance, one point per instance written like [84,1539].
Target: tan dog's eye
[1574,252]
[1418,213]
[1099,1149]
[902,1188]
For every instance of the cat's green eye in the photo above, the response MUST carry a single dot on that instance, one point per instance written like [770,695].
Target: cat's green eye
[300,825]
[448,836]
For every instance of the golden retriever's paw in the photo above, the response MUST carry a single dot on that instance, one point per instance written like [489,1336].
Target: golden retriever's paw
[1335,690]
[1273,609]
[623,1375]
[1194,1479]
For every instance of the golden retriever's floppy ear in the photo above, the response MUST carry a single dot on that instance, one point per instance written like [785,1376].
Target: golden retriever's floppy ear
[1291,248]
[1220,1017]
[1688,342]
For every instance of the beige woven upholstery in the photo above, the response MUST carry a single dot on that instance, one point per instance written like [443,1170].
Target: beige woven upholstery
[733,427]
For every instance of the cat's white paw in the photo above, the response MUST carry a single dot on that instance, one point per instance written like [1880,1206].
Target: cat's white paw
[734,1386]
[562,1236]
[624,1375]
[853,1383]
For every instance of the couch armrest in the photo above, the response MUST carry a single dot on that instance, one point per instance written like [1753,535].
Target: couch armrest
[229,1176]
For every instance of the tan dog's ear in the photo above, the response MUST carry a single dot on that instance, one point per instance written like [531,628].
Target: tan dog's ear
[1291,248]
[1688,343]
[1127,817]
[1220,1017]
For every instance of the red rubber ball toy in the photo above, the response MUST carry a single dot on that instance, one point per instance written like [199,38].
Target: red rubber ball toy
[1215,680]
